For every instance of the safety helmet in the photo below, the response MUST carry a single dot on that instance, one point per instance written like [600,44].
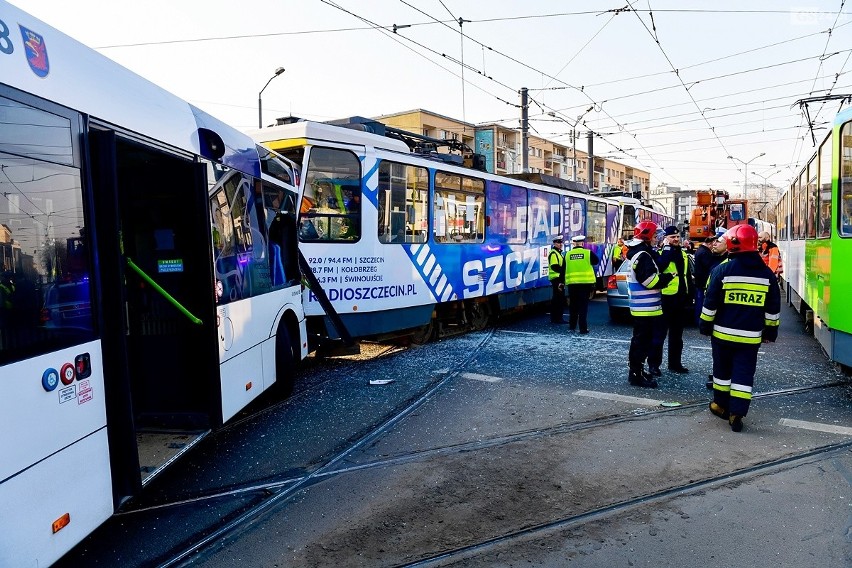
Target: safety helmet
[741,238]
[644,231]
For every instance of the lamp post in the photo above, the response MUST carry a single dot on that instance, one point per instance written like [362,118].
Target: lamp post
[745,178]
[260,102]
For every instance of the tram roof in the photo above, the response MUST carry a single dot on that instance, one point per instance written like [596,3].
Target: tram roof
[323,132]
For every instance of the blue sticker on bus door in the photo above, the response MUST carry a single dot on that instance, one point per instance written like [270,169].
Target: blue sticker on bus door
[171,265]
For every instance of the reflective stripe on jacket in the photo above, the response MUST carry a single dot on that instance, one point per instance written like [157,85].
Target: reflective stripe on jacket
[642,299]
[556,265]
[742,302]
[578,267]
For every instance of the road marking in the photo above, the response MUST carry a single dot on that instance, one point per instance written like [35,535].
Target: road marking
[519,332]
[619,397]
[483,378]
[829,428]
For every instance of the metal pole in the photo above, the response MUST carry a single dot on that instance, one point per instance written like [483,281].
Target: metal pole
[259,100]
[574,153]
[591,136]
[525,142]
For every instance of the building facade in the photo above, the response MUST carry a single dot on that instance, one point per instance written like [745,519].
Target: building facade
[502,148]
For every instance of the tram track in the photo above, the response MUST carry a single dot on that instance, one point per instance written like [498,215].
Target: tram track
[493,442]
[290,488]
[466,552]
[278,491]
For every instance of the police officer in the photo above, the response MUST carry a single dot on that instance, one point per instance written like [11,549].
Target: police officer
[556,275]
[742,308]
[676,297]
[644,282]
[580,279]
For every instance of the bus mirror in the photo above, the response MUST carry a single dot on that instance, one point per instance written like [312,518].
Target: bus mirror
[212,146]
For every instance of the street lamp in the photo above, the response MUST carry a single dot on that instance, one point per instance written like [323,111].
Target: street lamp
[260,103]
[745,179]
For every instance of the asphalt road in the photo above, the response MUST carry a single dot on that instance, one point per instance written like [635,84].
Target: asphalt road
[519,445]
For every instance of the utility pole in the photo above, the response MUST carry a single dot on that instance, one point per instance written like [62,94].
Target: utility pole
[525,140]
[591,136]
[574,153]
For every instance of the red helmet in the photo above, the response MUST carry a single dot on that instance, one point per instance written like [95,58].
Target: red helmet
[645,230]
[741,238]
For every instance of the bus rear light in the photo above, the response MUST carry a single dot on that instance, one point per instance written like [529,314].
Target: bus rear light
[61,522]
[44,316]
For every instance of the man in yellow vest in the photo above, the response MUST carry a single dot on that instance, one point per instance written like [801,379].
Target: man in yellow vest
[580,279]
[677,296]
[556,275]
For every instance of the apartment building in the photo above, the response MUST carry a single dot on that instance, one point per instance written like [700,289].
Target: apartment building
[502,148]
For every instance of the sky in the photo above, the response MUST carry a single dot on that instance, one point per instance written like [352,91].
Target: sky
[673,87]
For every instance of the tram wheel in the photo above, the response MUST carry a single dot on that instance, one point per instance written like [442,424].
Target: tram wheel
[478,314]
[424,333]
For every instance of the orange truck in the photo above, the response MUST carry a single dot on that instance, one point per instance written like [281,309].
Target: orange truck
[716,209]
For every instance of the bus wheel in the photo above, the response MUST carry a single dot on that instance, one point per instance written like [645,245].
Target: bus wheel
[424,333]
[478,315]
[285,362]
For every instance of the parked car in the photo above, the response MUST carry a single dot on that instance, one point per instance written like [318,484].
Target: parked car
[616,295]
[67,306]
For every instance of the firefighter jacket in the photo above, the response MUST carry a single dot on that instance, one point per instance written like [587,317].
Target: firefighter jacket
[644,281]
[556,265]
[742,303]
[772,257]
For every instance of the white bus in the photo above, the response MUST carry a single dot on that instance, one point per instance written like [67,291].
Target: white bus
[149,283]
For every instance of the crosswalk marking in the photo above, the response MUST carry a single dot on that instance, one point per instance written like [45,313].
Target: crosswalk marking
[829,428]
[619,397]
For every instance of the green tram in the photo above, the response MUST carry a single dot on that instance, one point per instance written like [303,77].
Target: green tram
[814,221]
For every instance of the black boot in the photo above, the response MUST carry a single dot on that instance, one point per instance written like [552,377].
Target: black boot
[640,379]
[654,371]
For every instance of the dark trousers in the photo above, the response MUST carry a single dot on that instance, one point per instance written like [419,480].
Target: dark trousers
[557,302]
[647,333]
[699,303]
[578,305]
[734,365]
[673,327]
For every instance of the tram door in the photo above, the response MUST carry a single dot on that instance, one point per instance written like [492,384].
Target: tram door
[158,305]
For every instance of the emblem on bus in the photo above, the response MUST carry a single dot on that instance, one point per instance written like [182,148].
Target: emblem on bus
[36,52]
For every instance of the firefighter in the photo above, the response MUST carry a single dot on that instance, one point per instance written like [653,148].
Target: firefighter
[580,279]
[644,285]
[742,308]
[556,275]
[771,254]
